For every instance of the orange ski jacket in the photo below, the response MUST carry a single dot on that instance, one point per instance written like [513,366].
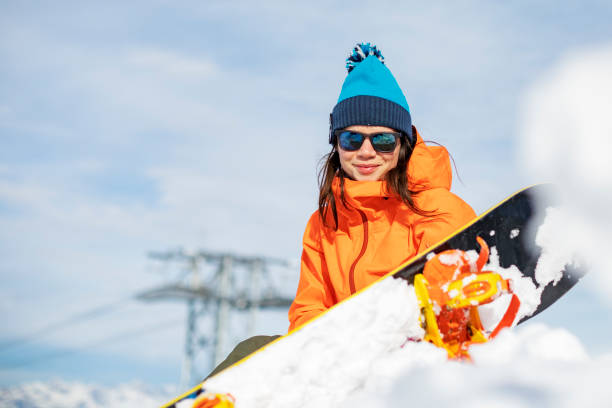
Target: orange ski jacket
[376,233]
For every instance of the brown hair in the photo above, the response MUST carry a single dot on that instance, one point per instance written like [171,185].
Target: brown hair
[396,180]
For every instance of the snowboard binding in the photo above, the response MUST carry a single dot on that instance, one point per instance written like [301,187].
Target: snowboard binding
[212,400]
[449,291]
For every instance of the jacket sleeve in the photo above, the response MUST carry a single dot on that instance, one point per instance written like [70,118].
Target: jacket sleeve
[311,298]
[450,213]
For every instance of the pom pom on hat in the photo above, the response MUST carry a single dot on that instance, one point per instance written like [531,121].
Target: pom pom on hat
[360,53]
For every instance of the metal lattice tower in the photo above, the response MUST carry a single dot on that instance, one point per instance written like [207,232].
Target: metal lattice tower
[219,294]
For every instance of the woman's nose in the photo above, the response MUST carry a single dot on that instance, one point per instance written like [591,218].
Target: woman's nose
[366,150]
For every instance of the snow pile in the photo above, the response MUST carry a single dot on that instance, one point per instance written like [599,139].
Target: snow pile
[325,361]
[61,394]
[566,138]
[530,366]
[361,349]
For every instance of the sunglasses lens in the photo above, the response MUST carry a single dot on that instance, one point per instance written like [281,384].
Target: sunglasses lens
[350,141]
[381,142]
[384,142]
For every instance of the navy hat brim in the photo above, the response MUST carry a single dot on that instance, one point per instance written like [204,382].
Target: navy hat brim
[370,111]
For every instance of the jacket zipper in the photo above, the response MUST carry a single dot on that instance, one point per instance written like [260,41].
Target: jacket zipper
[363,249]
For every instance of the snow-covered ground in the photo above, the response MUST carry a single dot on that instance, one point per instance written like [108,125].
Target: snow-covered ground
[530,366]
[61,394]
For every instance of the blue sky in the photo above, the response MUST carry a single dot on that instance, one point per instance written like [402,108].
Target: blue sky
[126,128]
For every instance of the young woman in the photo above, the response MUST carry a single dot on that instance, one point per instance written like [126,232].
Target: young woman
[384,194]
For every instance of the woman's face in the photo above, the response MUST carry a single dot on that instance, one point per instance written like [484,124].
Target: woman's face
[366,163]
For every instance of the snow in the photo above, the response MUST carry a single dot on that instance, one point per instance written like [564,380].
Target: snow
[331,357]
[455,258]
[556,253]
[469,279]
[451,258]
[472,257]
[490,313]
[62,394]
[358,355]
[533,365]
[522,286]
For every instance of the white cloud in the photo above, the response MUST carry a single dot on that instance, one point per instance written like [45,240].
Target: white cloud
[566,121]
[179,66]
[24,195]
[566,138]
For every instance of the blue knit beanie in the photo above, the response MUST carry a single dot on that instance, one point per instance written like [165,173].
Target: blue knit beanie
[370,95]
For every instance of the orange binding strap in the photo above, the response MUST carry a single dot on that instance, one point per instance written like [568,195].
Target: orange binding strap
[509,316]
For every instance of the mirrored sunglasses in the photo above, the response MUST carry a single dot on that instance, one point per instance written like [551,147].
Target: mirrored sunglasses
[383,142]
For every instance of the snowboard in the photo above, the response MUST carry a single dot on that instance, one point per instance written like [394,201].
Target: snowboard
[509,242]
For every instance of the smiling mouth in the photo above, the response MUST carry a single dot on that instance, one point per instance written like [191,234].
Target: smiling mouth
[366,168]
